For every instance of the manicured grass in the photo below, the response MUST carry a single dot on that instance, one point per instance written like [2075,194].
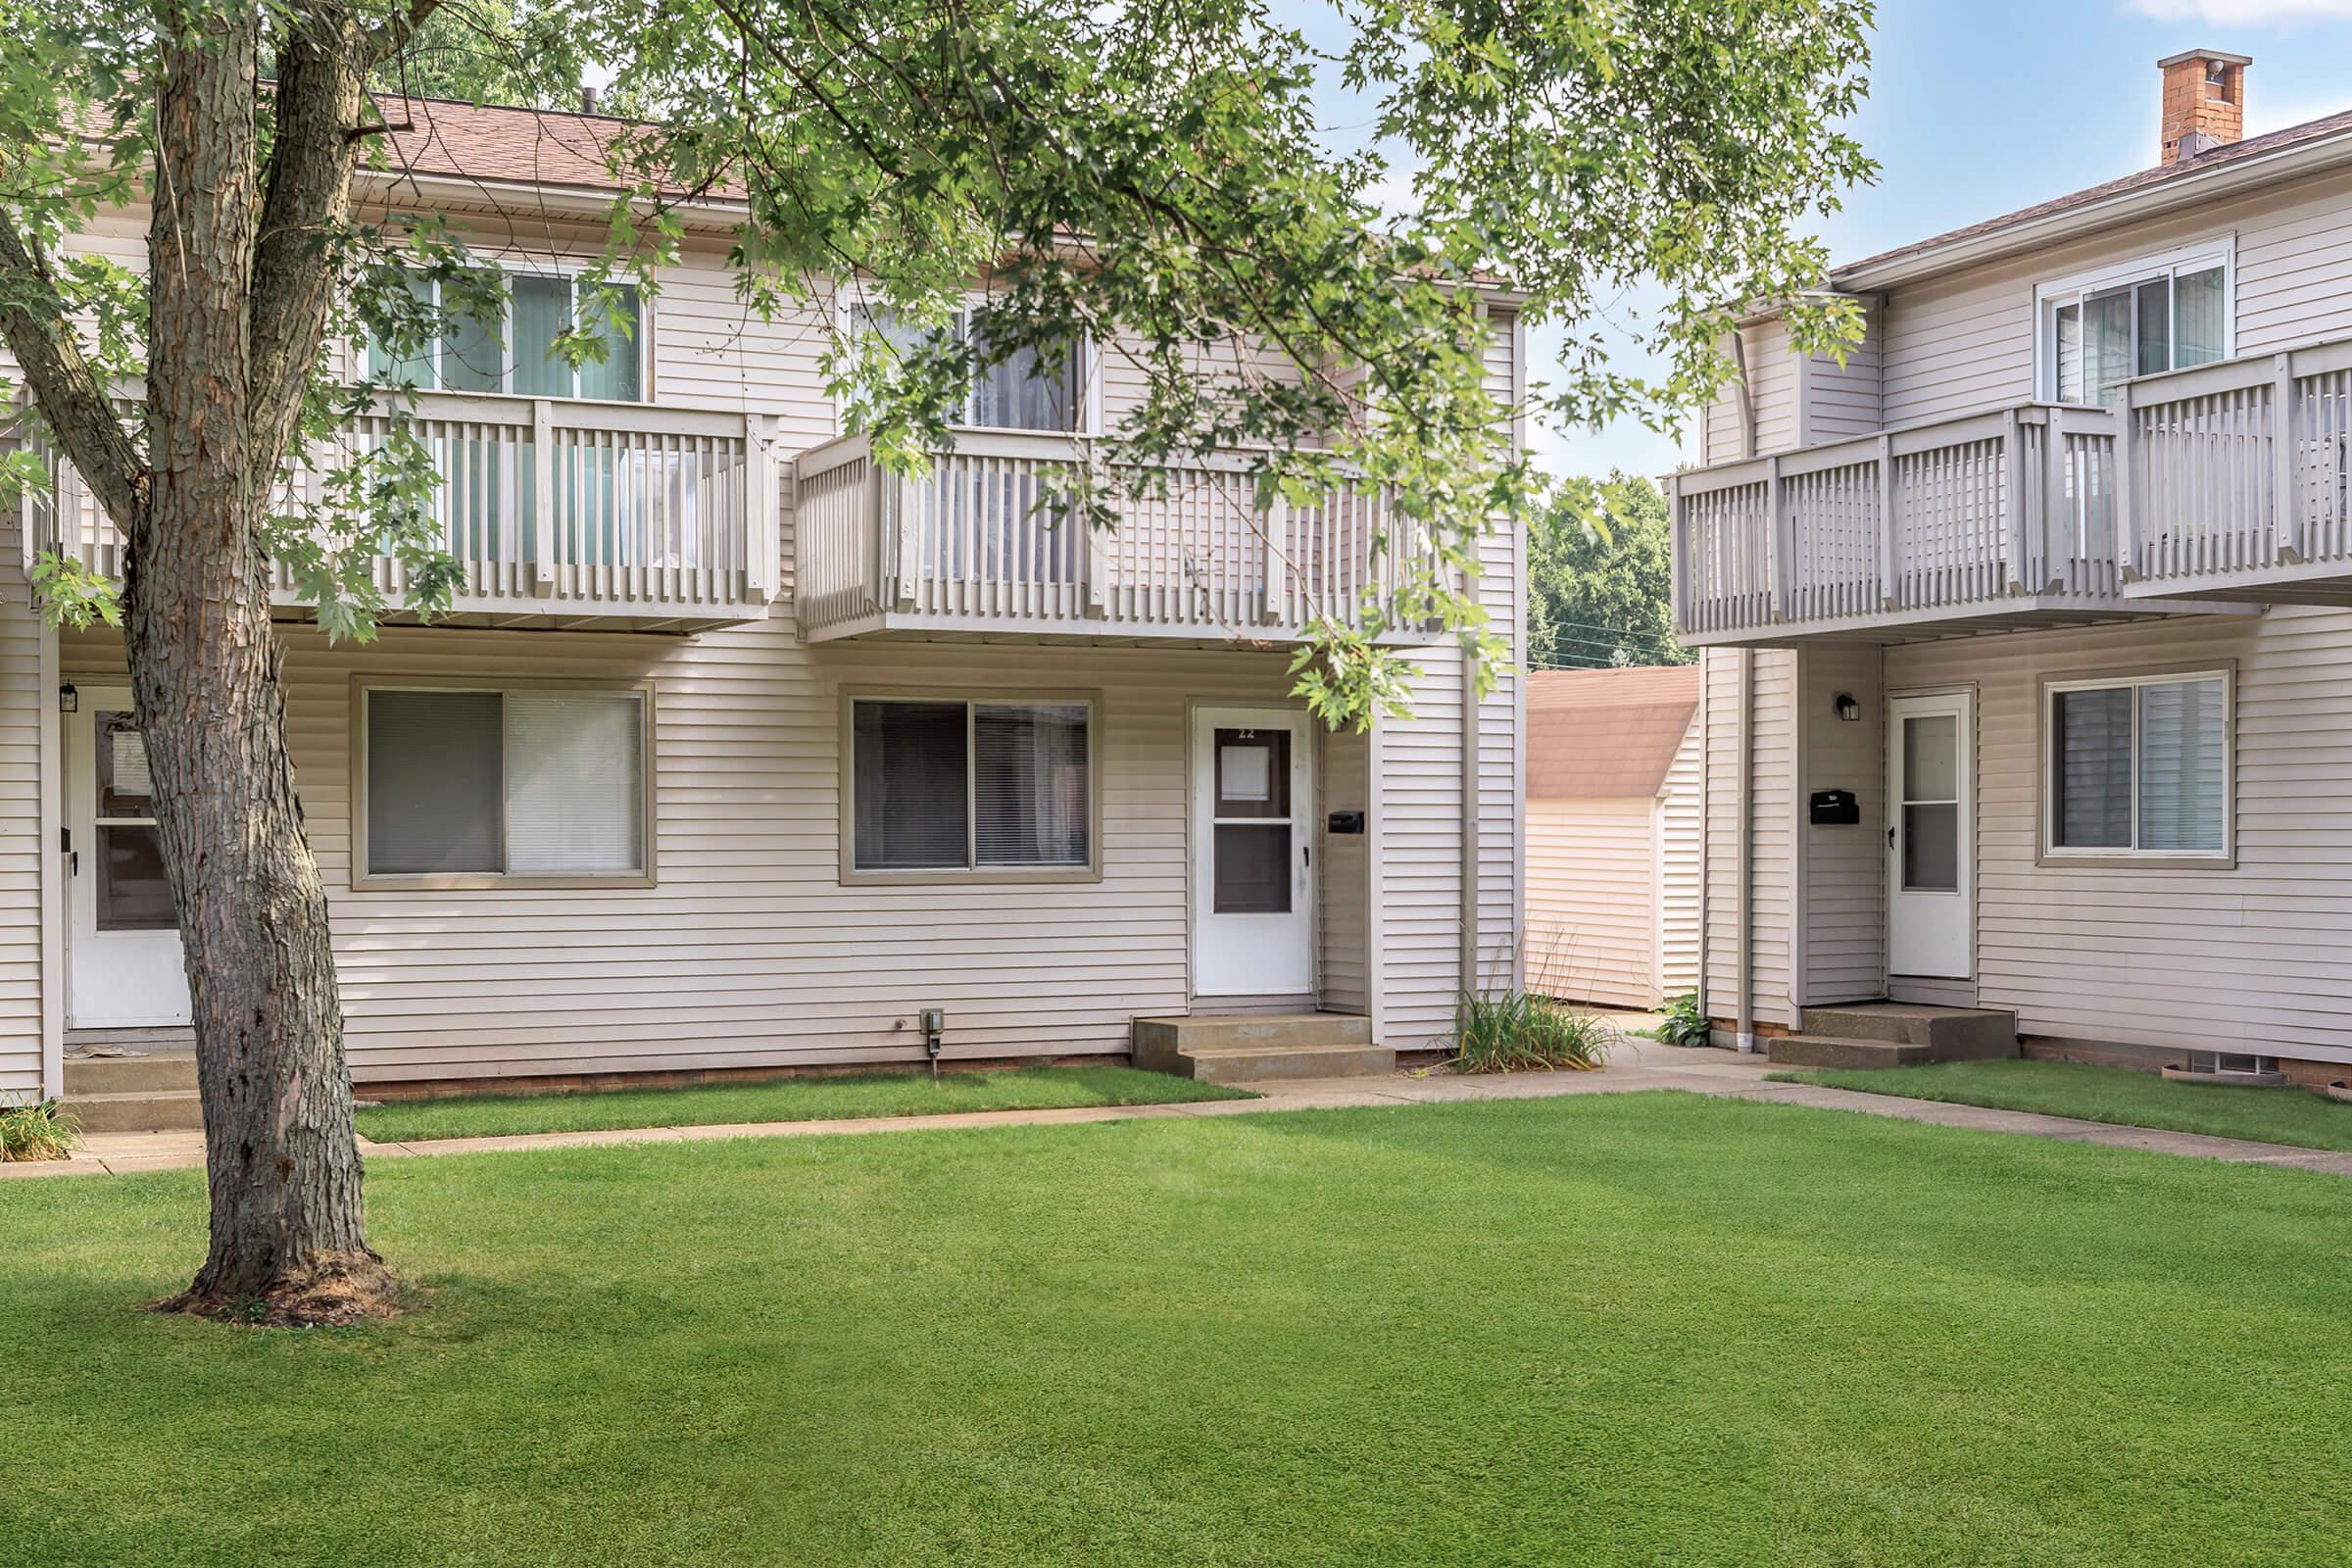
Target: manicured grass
[870,1094]
[2109,1094]
[1614,1329]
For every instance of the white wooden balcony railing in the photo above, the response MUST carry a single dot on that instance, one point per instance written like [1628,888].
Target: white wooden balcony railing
[559,512]
[2006,518]
[974,545]
[2235,479]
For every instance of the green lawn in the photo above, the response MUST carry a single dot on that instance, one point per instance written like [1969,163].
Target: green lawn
[1602,1330]
[871,1094]
[2109,1094]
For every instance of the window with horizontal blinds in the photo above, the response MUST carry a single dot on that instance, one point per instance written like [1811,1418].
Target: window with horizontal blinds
[523,783]
[575,783]
[1030,787]
[967,785]
[913,787]
[2140,766]
[2184,768]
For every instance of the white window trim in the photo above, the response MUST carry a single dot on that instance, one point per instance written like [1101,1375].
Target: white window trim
[363,687]
[2054,855]
[2220,249]
[848,297]
[572,271]
[853,874]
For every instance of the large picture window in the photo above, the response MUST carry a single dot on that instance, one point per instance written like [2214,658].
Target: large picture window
[947,785]
[505,784]
[2138,766]
[1022,390]
[2163,313]
[516,351]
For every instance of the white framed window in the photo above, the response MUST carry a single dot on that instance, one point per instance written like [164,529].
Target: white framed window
[955,786]
[1019,392]
[2138,767]
[472,787]
[2096,330]
[515,352]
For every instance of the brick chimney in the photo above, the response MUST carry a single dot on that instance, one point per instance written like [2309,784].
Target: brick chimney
[2204,102]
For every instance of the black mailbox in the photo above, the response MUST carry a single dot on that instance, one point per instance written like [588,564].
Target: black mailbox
[1834,809]
[1344,823]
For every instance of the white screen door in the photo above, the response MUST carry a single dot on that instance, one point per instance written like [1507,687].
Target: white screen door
[122,960]
[1253,887]
[1930,836]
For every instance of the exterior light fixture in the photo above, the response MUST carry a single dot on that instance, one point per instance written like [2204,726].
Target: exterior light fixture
[1847,708]
[69,701]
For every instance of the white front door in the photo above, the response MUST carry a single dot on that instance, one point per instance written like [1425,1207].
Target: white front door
[1254,878]
[1930,834]
[122,959]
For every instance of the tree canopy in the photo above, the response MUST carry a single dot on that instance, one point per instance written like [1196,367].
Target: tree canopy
[1600,578]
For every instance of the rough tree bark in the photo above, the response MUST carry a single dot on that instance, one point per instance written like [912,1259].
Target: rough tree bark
[282,1158]
[241,273]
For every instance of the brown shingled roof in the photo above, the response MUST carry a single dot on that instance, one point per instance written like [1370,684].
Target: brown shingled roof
[2222,156]
[491,142]
[1606,734]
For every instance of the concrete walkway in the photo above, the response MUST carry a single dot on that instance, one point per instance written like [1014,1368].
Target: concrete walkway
[1640,1064]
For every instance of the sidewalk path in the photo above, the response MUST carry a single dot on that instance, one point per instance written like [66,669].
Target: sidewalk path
[1640,1064]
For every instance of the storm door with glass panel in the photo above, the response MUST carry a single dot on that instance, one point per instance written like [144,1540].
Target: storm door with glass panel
[125,968]
[1252,857]
[1930,836]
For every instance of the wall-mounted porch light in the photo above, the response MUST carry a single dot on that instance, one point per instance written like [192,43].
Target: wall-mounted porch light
[69,699]
[1847,708]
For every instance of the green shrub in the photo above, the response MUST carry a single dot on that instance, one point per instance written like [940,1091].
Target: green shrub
[1687,1024]
[42,1131]
[1512,1030]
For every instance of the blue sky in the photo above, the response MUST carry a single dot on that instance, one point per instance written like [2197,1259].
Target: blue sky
[1980,106]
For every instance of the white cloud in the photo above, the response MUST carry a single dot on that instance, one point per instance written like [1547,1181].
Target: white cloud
[2245,13]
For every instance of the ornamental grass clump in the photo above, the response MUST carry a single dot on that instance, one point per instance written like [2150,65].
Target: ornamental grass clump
[1518,1031]
[43,1130]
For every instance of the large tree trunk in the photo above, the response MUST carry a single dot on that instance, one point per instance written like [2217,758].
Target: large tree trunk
[280,1149]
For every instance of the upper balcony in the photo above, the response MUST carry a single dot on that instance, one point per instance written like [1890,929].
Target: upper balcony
[2012,519]
[561,513]
[974,546]
[2237,478]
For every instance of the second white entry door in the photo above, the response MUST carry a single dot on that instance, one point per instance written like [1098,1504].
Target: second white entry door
[1930,836]
[1253,874]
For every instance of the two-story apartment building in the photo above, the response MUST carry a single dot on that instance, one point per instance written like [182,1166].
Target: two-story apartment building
[738,752]
[2029,671]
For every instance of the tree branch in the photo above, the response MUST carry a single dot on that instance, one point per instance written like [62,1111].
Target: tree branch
[64,385]
[306,208]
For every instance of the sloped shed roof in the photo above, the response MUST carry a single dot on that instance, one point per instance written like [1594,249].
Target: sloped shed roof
[1606,734]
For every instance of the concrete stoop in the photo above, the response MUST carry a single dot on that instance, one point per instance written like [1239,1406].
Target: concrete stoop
[1895,1034]
[152,1093]
[1233,1048]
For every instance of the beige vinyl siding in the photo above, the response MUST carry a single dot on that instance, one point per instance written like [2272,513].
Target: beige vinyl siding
[22,694]
[1840,401]
[2251,958]
[1770,879]
[1593,901]
[1966,341]
[1344,866]
[1421,860]
[1772,397]
[1845,867]
[1679,810]
[749,950]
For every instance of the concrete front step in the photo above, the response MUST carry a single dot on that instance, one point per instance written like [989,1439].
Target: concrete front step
[172,1071]
[138,1111]
[1829,1051]
[1231,1049]
[1951,1034]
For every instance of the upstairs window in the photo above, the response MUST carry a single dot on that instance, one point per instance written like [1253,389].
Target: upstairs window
[1022,391]
[516,351]
[2138,766]
[2097,333]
